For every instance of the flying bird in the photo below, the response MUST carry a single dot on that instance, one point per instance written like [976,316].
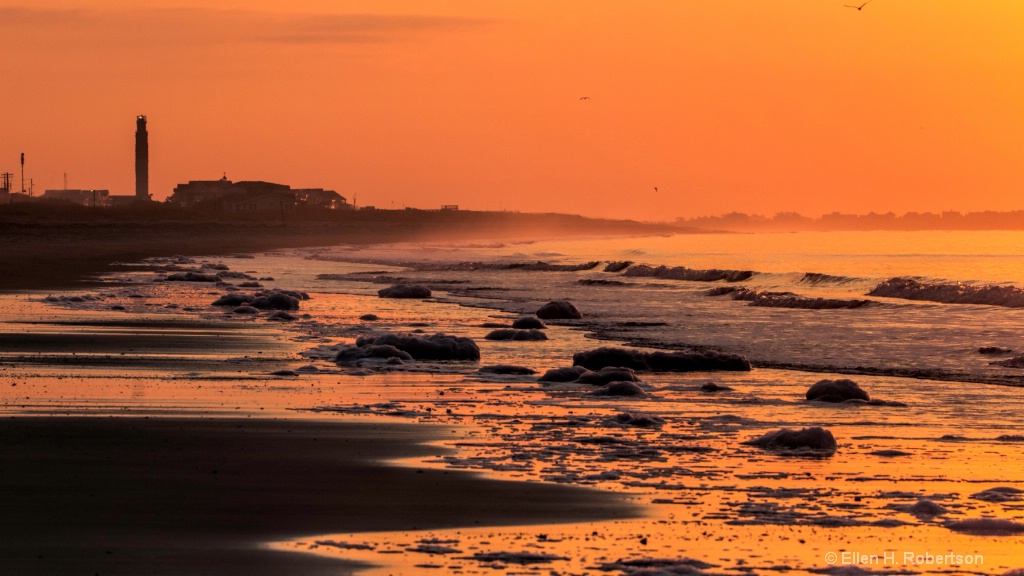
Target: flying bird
[584,97]
[861,7]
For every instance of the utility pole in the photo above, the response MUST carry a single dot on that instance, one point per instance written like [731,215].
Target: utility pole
[22,172]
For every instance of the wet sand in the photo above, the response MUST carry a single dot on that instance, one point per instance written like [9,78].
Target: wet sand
[201,496]
[190,494]
[708,499]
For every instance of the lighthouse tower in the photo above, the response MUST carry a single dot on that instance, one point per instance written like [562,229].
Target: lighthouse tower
[141,160]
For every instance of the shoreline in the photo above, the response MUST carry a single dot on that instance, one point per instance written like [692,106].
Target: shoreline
[41,254]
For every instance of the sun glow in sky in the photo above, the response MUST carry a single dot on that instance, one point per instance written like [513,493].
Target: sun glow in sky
[722,105]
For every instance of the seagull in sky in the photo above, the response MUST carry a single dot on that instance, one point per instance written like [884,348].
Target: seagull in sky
[584,97]
[861,7]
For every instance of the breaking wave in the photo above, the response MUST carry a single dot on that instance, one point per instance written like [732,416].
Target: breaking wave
[950,293]
[784,299]
[790,300]
[538,266]
[690,274]
[817,279]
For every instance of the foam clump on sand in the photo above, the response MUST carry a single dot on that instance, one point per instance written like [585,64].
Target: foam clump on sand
[405,291]
[836,391]
[350,355]
[845,571]
[276,299]
[176,260]
[994,350]
[559,310]
[926,508]
[607,375]
[517,557]
[507,369]
[1000,494]
[433,549]
[604,379]
[192,276]
[634,420]
[74,299]
[815,440]
[693,361]
[1015,362]
[567,374]
[600,282]
[529,323]
[987,527]
[343,545]
[890,453]
[657,566]
[236,276]
[699,361]
[438,346]
[624,389]
[505,334]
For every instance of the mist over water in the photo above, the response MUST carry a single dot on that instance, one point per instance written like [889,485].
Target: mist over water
[952,255]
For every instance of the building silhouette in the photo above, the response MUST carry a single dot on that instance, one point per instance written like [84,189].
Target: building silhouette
[80,197]
[253,196]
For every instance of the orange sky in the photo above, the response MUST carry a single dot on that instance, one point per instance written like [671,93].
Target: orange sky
[750,105]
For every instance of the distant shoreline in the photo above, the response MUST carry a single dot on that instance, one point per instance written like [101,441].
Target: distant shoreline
[42,250]
[871,222]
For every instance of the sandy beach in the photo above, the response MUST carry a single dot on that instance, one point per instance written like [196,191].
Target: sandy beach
[187,436]
[192,480]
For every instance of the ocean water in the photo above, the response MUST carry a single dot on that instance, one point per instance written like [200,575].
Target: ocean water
[887,335]
[946,429]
